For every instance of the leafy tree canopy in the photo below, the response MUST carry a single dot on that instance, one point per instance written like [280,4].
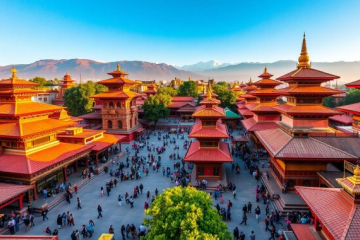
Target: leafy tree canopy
[222,83]
[168,91]
[226,96]
[188,89]
[43,82]
[183,214]
[351,97]
[77,98]
[155,107]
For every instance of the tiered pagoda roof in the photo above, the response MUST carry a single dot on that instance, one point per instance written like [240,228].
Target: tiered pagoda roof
[355,84]
[213,129]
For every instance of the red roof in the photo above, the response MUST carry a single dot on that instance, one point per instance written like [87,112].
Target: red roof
[40,160]
[251,125]
[107,141]
[344,119]
[355,84]
[251,106]
[183,99]
[212,94]
[314,109]
[200,131]
[116,95]
[304,231]
[246,113]
[92,115]
[304,90]
[203,111]
[11,191]
[178,104]
[247,96]
[335,210]
[26,108]
[197,154]
[282,145]
[307,74]
[351,108]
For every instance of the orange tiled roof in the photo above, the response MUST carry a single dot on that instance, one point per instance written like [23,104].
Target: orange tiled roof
[210,101]
[106,142]
[17,82]
[314,89]
[197,154]
[11,191]
[334,209]
[26,108]
[351,108]
[246,112]
[179,104]
[85,134]
[187,108]
[251,106]
[203,111]
[212,94]
[199,131]
[247,96]
[265,107]
[315,109]
[116,95]
[40,160]
[265,92]
[31,128]
[307,73]
[117,80]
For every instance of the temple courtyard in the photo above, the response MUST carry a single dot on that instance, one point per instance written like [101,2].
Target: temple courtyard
[116,215]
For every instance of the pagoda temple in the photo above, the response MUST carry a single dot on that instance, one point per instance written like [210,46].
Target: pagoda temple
[66,83]
[301,147]
[119,111]
[265,117]
[208,152]
[151,89]
[336,211]
[30,153]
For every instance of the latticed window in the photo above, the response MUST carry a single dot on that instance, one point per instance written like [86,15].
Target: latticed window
[120,124]
[109,124]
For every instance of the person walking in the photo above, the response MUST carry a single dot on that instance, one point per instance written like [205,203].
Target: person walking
[236,233]
[244,219]
[257,213]
[44,213]
[11,226]
[272,233]
[148,196]
[156,192]
[72,220]
[141,187]
[123,231]
[59,221]
[78,203]
[120,200]
[32,218]
[252,236]
[131,201]
[249,206]
[245,209]
[242,236]
[266,221]
[99,209]
[101,191]
[26,221]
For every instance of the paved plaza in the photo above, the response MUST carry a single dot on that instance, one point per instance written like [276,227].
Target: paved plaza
[117,216]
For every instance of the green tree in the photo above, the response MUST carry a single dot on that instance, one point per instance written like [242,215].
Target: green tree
[39,80]
[184,213]
[155,107]
[329,102]
[222,83]
[351,97]
[226,96]
[168,91]
[188,89]
[77,98]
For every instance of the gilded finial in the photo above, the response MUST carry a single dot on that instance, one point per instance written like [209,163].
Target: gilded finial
[265,70]
[304,59]
[13,71]
[357,171]
[118,67]
[250,81]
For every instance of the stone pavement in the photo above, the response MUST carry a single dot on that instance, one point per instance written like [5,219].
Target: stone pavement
[117,216]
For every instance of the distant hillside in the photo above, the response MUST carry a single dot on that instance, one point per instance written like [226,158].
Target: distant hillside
[203,66]
[348,71]
[93,70]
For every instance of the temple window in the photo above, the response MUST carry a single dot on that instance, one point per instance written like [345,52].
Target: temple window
[111,105]
[200,171]
[118,105]
[109,124]
[216,171]
[120,124]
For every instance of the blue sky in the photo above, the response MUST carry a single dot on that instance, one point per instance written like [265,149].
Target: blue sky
[178,32]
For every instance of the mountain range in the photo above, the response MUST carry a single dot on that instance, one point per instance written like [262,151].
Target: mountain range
[140,70]
[94,70]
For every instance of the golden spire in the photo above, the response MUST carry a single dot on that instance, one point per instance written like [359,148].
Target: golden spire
[265,70]
[209,95]
[351,184]
[118,67]
[304,59]
[250,81]
[13,71]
